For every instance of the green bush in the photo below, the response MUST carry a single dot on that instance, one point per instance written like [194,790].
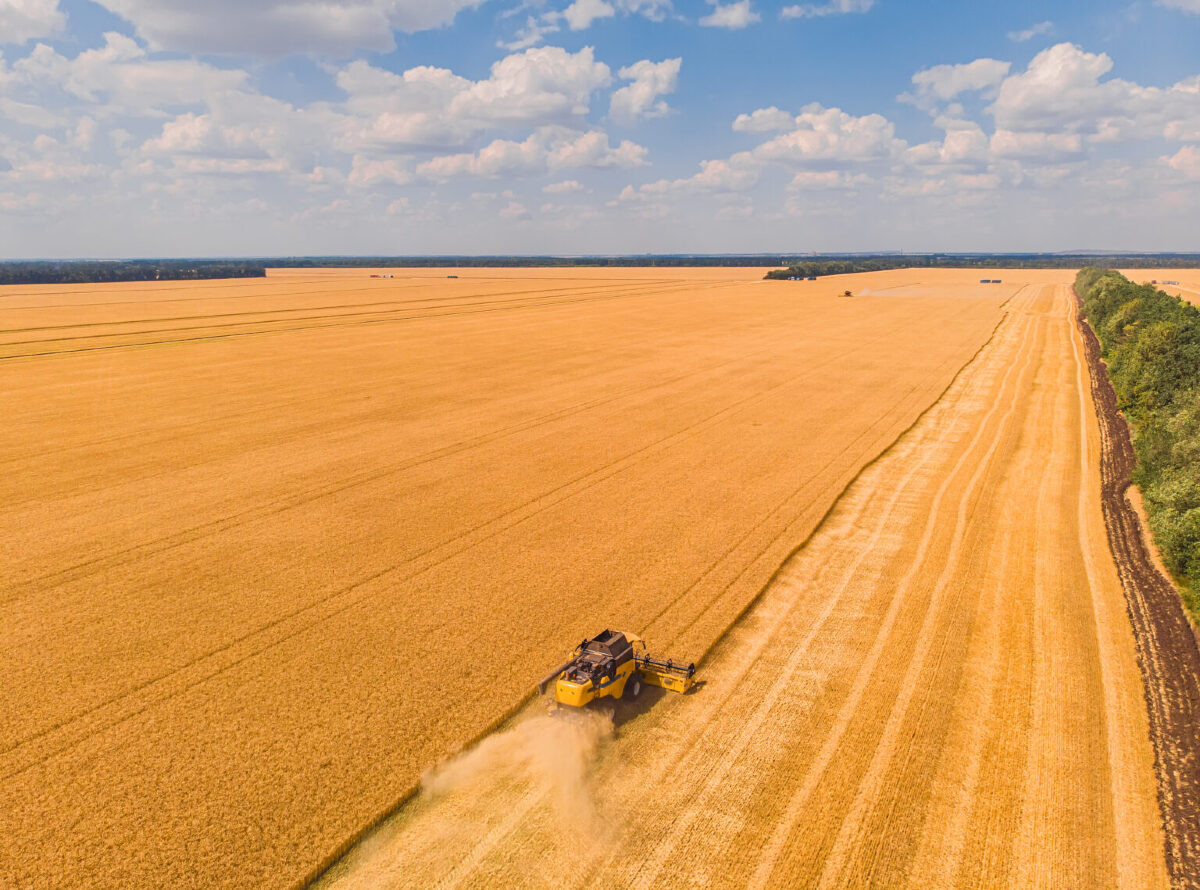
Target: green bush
[1151,342]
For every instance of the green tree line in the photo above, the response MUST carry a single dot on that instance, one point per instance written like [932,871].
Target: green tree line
[845,265]
[88,271]
[1151,343]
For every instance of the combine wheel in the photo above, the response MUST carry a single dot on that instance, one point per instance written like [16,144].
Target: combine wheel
[633,688]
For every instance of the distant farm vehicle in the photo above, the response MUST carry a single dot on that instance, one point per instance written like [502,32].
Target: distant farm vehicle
[812,277]
[847,293]
[451,276]
[613,665]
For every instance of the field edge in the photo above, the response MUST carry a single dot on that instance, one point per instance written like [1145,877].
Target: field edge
[1167,652]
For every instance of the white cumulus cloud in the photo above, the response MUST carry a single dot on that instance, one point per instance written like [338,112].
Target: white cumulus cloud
[582,13]
[1044,146]
[122,76]
[640,98]
[965,144]
[430,107]
[1186,161]
[730,15]
[30,115]
[578,16]
[1062,91]
[280,27]
[368,172]
[655,10]
[723,176]
[944,82]
[832,137]
[548,149]
[764,120]
[22,20]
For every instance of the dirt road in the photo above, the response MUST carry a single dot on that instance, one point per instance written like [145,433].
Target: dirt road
[940,689]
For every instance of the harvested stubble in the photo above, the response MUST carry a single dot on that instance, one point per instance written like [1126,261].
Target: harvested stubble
[1188,287]
[940,689]
[272,548]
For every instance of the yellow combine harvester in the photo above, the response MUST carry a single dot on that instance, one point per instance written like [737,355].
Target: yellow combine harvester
[615,665]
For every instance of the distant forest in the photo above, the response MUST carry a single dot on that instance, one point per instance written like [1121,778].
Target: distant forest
[824,264]
[796,265]
[817,266]
[89,271]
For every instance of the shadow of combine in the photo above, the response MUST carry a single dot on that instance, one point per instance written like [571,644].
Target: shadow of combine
[625,710]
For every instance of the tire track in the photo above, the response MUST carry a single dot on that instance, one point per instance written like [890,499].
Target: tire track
[846,715]
[510,307]
[325,312]
[720,788]
[234,777]
[331,604]
[672,766]
[307,496]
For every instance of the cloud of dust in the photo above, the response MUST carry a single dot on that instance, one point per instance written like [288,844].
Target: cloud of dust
[552,753]
[542,763]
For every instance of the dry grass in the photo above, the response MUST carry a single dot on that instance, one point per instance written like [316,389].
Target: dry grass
[272,548]
[939,690]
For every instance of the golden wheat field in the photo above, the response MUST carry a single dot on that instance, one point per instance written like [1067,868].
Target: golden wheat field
[272,549]
[1187,286]
[938,690]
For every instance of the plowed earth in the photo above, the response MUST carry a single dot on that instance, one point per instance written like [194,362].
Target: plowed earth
[939,689]
[270,549]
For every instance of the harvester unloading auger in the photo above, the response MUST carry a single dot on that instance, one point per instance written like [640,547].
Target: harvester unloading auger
[614,664]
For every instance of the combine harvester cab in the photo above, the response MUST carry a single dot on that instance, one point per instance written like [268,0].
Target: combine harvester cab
[613,665]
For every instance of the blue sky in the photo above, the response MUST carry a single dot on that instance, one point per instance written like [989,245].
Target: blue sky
[170,127]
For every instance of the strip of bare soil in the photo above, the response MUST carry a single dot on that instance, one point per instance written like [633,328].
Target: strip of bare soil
[1167,649]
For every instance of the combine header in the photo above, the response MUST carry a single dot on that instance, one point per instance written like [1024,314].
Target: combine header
[614,665]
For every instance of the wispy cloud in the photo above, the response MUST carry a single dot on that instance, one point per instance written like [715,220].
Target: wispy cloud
[1031,32]
[1183,5]
[730,15]
[820,10]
